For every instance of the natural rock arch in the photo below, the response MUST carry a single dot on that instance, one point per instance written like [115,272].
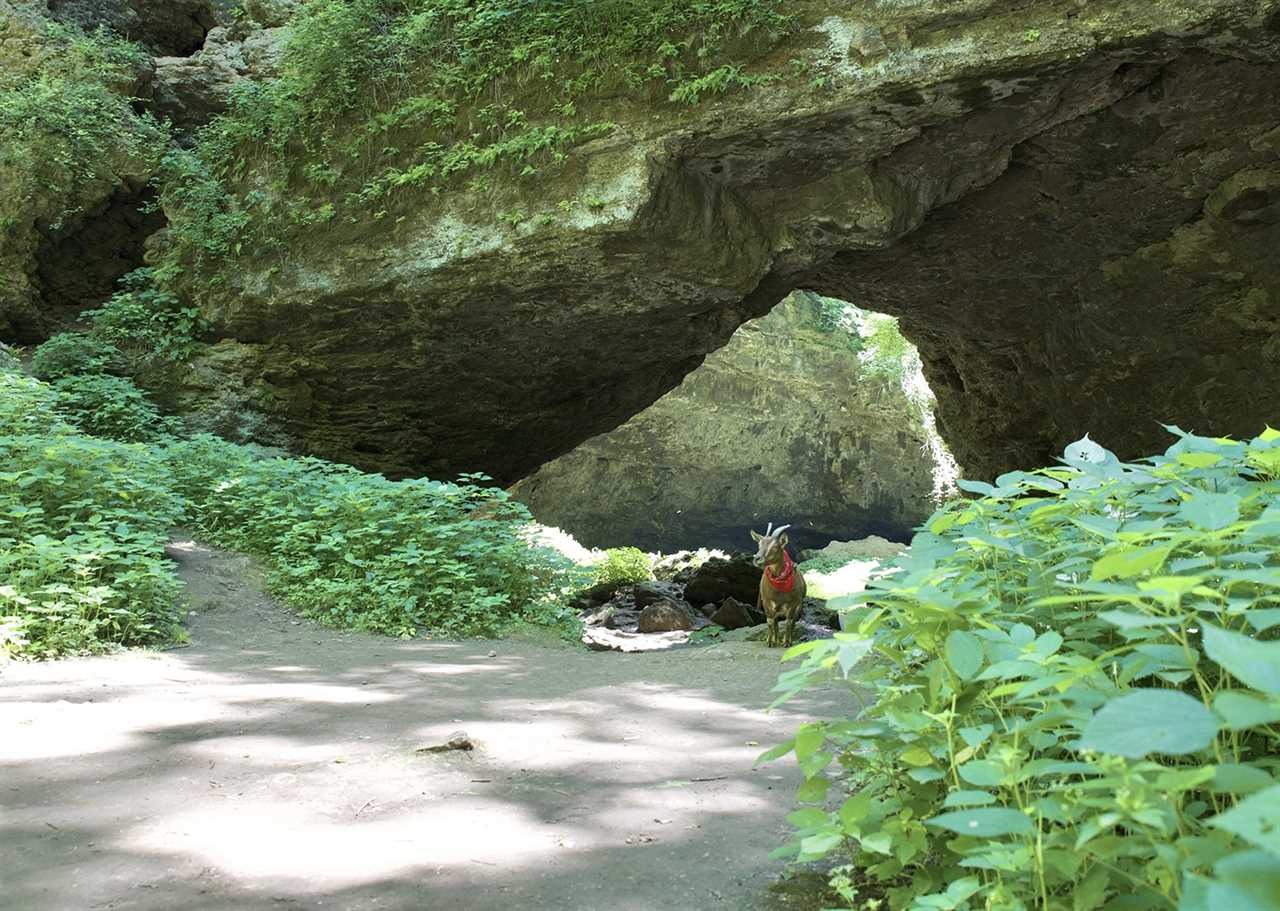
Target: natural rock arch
[1072,208]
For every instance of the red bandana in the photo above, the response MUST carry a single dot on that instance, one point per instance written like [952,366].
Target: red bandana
[786,580]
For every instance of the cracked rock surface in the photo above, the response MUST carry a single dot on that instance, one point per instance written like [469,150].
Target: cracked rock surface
[1072,208]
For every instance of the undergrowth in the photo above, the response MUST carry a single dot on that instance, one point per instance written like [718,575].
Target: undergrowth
[379,98]
[1078,696]
[84,520]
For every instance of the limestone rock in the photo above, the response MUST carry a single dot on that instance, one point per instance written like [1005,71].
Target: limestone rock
[1025,185]
[167,27]
[733,614]
[647,593]
[664,617]
[192,90]
[785,420]
[717,579]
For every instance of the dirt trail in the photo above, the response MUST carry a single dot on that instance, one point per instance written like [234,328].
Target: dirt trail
[272,765]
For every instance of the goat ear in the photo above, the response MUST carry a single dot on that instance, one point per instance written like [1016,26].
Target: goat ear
[782,540]
[755,537]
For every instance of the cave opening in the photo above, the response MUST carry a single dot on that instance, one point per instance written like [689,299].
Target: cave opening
[79,265]
[816,415]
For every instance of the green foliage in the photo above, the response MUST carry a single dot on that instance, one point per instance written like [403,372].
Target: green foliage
[1078,697]
[65,121]
[886,350]
[72,354]
[379,97]
[146,323]
[356,550]
[622,565]
[83,524]
[108,406]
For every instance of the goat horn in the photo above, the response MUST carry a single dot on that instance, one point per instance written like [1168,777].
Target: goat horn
[781,530]
[768,531]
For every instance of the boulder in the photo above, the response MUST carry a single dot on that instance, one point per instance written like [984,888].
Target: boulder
[192,90]
[735,577]
[665,617]
[733,614]
[647,593]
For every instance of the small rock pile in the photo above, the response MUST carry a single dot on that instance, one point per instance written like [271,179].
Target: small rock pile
[646,616]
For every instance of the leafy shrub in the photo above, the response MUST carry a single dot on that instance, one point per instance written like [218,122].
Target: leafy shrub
[108,406]
[147,323]
[1078,686]
[623,564]
[83,524]
[70,354]
[356,550]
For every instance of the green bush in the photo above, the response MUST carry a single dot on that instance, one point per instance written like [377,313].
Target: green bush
[83,524]
[356,550]
[1078,707]
[146,323]
[623,564]
[72,353]
[108,406]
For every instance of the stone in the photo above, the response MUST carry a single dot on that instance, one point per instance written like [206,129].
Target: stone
[647,593]
[733,614]
[695,469]
[169,27]
[603,640]
[665,617]
[191,91]
[717,579]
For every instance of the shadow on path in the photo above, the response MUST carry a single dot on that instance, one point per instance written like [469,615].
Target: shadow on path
[273,765]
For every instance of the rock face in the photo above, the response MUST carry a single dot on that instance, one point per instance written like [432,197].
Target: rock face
[783,424]
[192,90]
[1070,205]
[166,27]
[66,233]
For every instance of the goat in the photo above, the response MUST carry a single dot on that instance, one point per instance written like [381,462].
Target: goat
[781,585]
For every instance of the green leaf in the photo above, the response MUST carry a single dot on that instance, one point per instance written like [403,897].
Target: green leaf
[969,799]
[773,753]
[984,822]
[982,772]
[808,740]
[1150,721]
[855,809]
[1129,620]
[1256,819]
[1130,561]
[1248,660]
[1242,711]
[1247,881]
[816,846]
[813,789]
[1210,511]
[1233,778]
[964,654]
[807,818]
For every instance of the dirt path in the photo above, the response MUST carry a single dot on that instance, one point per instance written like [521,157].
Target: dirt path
[272,765]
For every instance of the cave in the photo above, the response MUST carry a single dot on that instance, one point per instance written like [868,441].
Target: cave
[1077,230]
[816,415]
[79,265]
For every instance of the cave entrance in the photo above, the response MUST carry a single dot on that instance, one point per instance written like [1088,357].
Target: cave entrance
[79,266]
[816,414]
